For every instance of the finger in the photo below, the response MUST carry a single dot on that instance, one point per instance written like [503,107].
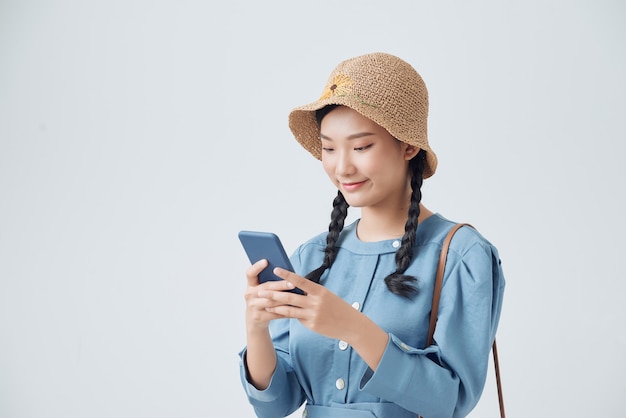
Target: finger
[259,299]
[259,311]
[281,285]
[252,272]
[277,298]
[298,281]
[262,299]
[287,311]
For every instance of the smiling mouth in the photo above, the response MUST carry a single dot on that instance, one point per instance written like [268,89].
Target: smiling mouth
[352,186]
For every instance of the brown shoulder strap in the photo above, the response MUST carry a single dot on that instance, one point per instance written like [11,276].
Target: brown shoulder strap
[439,282]
[435,308]
[496,365]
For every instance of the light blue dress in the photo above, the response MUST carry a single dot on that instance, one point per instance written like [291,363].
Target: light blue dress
[445,379]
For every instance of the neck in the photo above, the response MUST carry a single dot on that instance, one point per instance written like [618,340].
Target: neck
[378,225]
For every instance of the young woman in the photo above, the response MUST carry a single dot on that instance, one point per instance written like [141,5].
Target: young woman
[355,344]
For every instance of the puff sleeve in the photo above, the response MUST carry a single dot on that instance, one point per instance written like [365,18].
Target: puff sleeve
[446,379]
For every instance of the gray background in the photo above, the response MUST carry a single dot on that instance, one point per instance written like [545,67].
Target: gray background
[137,137]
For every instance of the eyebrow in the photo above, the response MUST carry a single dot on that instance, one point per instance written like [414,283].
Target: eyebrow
[353,136]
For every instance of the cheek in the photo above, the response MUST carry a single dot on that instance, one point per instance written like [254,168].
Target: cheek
[373,168]
[328,167]
[325,164]
[388,171]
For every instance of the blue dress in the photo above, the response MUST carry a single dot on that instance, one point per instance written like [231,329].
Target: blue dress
[445,379]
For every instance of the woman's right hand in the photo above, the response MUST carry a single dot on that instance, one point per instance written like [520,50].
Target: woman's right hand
[260,355]
[257,316]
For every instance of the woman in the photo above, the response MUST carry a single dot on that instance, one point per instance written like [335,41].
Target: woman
[355,344]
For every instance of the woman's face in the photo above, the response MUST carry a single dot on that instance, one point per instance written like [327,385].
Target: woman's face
[364,161]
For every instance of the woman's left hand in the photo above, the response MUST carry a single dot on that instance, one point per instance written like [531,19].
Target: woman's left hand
[319,309]
[324,312]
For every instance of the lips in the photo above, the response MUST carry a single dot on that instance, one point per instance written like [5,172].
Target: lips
[350,187]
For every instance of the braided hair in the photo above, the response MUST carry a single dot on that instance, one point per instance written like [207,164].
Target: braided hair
[397,282]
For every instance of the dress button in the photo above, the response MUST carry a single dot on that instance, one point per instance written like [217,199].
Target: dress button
[395,244]
[343,345]
[340,384]
[356,305]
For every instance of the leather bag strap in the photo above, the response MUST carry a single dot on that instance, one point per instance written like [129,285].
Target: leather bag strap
[435,309]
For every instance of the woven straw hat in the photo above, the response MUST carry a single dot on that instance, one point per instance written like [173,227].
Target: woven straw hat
[381,87]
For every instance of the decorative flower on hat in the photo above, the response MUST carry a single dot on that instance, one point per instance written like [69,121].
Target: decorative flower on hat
[340,85]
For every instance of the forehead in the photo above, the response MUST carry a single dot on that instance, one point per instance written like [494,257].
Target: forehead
[344,121]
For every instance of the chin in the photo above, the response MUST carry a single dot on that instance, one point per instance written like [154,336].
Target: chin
[355,203]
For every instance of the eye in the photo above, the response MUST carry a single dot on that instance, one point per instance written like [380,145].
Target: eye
[327,146]
[363,148]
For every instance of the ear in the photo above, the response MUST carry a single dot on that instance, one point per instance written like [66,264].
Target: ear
[410,151]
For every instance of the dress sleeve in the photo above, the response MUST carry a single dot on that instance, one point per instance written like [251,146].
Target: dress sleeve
[446,379]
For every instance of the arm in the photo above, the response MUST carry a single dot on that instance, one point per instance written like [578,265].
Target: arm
[266,372]
[327,314]
[260,358]
[260,355]
[367,339]
[446,379]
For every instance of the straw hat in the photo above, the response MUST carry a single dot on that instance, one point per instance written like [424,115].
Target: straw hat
[381,87]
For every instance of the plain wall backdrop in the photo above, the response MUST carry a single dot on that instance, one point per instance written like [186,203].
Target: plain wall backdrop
[138,137]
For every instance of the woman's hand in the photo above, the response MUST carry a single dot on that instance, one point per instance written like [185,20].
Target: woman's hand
[258,308]
[319,309]
[324,312]
[260,358]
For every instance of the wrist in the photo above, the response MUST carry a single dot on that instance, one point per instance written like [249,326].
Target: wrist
[369,341]
[256,330]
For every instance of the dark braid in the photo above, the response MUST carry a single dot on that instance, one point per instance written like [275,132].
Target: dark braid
[337,218]
[398,282]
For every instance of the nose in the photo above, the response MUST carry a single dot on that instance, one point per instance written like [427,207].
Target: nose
[343,164]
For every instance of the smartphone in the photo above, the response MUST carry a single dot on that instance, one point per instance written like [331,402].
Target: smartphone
[266,245]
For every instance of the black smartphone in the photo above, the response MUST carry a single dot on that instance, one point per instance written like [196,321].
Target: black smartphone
[266,245]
